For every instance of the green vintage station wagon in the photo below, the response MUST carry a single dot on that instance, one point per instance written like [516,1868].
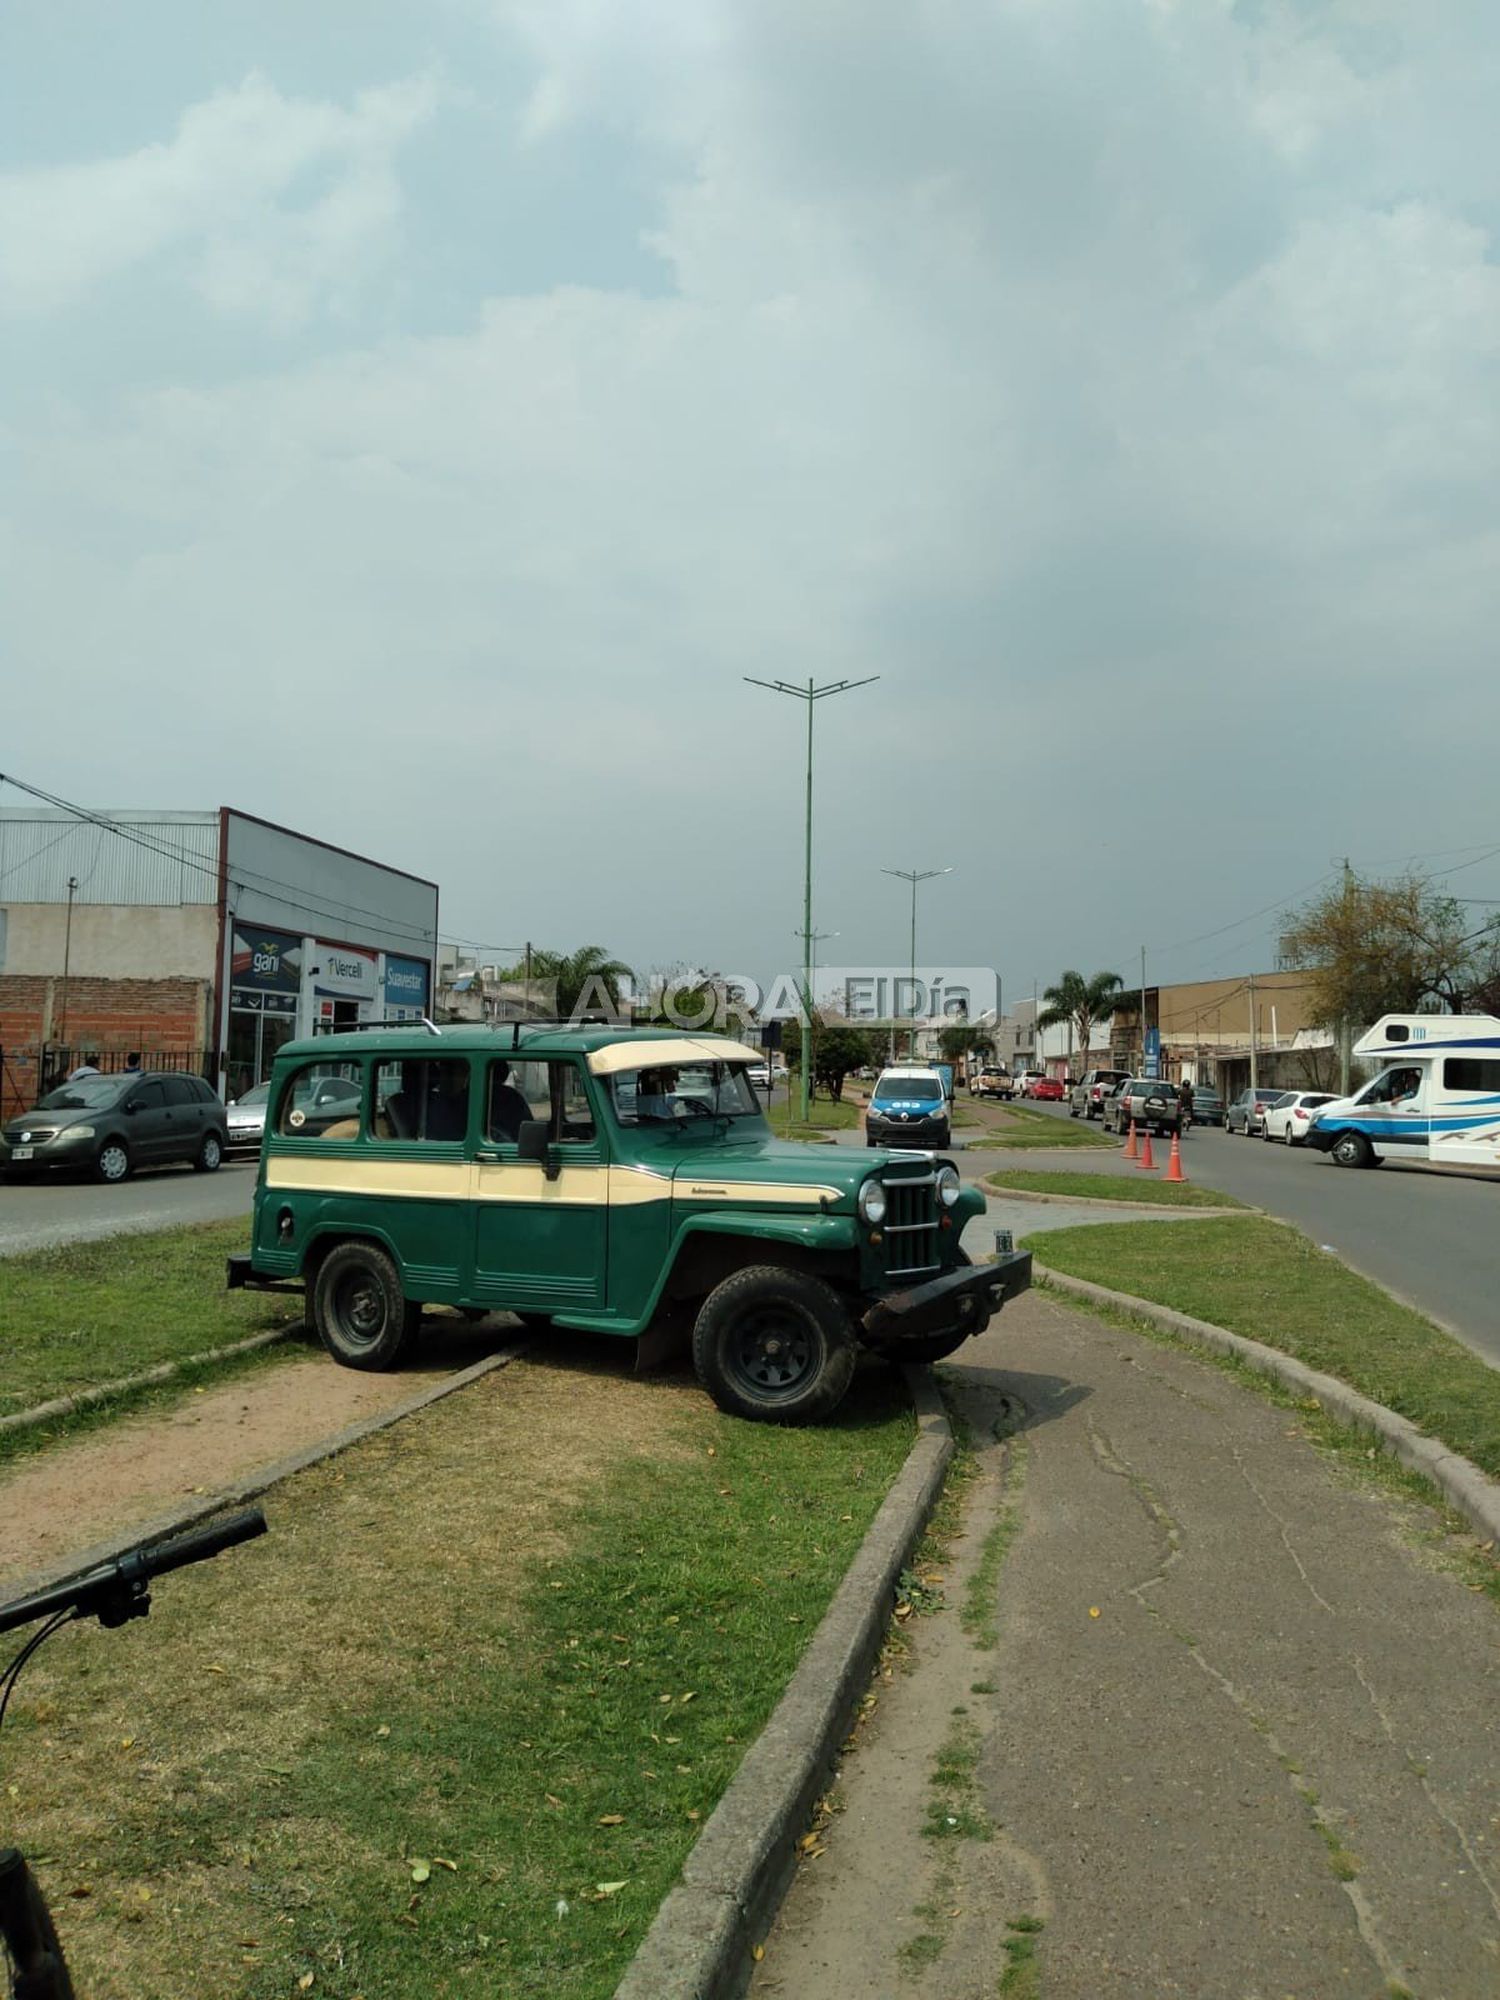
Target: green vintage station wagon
[613,1180]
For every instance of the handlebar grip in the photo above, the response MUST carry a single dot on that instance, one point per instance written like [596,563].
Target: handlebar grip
[197,1545]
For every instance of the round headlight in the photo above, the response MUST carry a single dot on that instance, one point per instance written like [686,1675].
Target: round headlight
[949,1186]
[872,1203]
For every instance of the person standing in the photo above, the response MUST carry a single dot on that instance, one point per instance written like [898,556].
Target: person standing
[88,1067]
[1185,1107]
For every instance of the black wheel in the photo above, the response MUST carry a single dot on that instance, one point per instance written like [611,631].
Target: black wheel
[361,1314]
[210,1154]
[29,1948]
[775,1346]
[1352,1149]
[112,1162]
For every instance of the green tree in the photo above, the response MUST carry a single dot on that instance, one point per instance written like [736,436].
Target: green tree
[1083,1002]
[588,974]
[1371,948]
[840,1049]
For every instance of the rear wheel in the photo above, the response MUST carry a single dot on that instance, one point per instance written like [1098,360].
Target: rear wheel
[1352,1149]
[210,1155]
[1287,1135]
[775,1346]
[361,1314]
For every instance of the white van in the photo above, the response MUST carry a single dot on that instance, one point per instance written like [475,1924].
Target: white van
[1437,1101]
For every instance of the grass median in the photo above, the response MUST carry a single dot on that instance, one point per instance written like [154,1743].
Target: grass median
[1270,1283]
[1108,1187]
[1018,1128]
[824,1116]
[89,1313]
[453,1726]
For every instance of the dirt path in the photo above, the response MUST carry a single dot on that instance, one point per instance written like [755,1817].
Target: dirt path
[1233,1732]
[76,1493]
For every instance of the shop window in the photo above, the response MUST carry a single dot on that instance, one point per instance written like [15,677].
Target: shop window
[321,1102]
[422,1097]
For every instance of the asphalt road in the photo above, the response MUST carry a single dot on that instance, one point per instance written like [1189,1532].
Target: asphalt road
[35,1214]
[1427,1237]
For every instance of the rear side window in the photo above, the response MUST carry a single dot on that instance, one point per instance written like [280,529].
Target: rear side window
[321,1101]
[1470,1073]
[422,1097]
[180,1090]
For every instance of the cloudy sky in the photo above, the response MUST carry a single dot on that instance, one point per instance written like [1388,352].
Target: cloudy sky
[418,416]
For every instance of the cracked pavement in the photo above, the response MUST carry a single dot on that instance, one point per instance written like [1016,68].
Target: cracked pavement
[1268,1768]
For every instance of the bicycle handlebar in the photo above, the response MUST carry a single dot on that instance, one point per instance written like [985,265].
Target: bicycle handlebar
[114,1584]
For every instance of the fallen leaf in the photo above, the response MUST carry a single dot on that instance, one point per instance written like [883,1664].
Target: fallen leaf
[611,1819]
[757,1952]
[215,1670]
[552,1801]
[609,1888]
[421,1871]
[304,1984]
[439,1862]
[384,1729]
[1093,1611]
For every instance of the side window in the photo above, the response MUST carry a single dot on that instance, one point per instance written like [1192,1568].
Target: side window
[321,1101]
[1470,1073]
[149,1097]
[552,1092]
[422,1097]
[180,1090]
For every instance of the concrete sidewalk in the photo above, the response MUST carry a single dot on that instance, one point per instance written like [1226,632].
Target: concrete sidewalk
[1269,1766]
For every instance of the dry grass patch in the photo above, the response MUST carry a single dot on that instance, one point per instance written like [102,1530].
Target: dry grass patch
[563,1595]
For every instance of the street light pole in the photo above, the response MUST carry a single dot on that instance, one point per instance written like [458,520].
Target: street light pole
[67,958]
[914,876]
[811,694]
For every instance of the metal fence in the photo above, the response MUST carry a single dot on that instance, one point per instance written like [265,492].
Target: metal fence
[28,1072]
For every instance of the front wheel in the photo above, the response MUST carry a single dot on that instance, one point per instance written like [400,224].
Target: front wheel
[28,1935]
[361,1314]
[113,1162]
[775,1346]
[1352,1149]
[210,1154]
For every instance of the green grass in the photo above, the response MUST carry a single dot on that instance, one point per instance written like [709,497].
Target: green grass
[786,1121]
[1270,1283]
[453,1726]
[1106,1187]
[1019,1129]
[88,1313]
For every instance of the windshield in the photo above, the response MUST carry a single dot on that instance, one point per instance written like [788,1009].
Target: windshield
[89,1093]
[920,1089]
[256,1096]
[663,1095]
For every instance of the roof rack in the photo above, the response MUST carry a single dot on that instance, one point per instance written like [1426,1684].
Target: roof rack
[386,1021]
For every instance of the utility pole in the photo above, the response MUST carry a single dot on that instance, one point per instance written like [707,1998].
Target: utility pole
[1254,1076]
[811,694]
[914,876]
[1143,1010]
[67,959]
[1345,1036]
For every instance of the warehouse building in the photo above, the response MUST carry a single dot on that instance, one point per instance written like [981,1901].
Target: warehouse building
[194,940]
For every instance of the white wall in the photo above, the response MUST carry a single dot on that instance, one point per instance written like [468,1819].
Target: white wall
[296,884]
[148,941]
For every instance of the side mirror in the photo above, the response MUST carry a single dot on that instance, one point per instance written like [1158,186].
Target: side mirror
[531,1144]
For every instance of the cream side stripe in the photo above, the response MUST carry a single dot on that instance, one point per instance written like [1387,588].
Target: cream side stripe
[360,1174]
[516,1180]
[762,1191]
[617,1056]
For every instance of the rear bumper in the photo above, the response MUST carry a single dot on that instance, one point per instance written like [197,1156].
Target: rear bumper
[963,1298]
[240,1277]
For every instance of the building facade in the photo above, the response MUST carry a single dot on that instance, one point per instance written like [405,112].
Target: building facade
[196,940]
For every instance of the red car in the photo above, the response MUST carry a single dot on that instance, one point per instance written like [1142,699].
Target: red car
[1049,1087]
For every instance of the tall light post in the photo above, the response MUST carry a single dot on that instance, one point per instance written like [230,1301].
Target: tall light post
[811,694]
[67,957]
[914,876]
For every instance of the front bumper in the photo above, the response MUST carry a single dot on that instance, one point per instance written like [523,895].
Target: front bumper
[1319,1140]
[963,1298]
[916,1132]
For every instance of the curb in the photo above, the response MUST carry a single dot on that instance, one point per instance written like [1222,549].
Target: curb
[1100,1201]
[1467,1489]
[700,1944]
[65,1406]
[255,1483]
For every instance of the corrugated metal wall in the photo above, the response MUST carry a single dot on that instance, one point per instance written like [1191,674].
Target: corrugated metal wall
[158,858]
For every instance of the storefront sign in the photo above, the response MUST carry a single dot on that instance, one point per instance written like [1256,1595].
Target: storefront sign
[346,971]
[406,983]
[265,961]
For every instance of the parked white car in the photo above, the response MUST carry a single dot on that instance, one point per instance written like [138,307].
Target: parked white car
[1288,1117]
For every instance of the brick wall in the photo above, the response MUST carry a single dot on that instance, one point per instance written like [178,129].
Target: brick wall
[104,1014]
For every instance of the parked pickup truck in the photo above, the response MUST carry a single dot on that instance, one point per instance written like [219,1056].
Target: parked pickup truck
[1086,1099]
[990,1081]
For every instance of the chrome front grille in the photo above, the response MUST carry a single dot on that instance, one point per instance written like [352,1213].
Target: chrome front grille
[911,1227]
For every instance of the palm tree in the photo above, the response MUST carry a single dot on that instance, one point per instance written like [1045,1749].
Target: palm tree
[588,973]
[1080,1002]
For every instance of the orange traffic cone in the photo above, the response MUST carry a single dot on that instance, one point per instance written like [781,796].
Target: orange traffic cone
[1146,1160]
[1174,1165]
[1130,1142]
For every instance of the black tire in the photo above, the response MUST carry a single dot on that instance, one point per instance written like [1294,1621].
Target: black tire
[29,1944]
[775,1346]
[1352,1149]
[112,1162]
[360,1312]
[210,1154]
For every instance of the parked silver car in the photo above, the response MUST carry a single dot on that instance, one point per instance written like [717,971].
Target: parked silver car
[1248,1111]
